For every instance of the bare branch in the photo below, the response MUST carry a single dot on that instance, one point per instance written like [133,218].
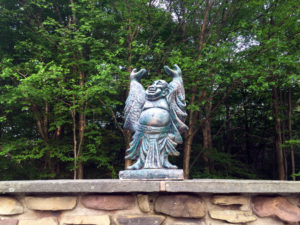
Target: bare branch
[113,115]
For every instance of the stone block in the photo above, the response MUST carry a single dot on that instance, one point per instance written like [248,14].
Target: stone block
[276,206]
[226,186]
[86,220]
[78,186]
[139,220]
[176,221]
[144,204]
[186,223]
[130,186]
[215,222]
[50,203]
[267,221]
[108,202]
[8,221]
[187,206]
[230,200]
[10,206]
[232,216]
[43,221]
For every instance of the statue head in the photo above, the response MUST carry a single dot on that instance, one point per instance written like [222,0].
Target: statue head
[158,89]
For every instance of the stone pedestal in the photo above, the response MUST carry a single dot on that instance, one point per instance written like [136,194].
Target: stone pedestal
[152,174]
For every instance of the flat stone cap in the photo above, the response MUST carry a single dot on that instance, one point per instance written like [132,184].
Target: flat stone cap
[134,186]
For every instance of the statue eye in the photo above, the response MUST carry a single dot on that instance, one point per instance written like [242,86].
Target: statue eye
[159,83]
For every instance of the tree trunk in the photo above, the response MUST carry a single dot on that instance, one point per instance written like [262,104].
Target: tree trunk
[210,146]
[277,139]
[187,153]
[192,116]
[283,110]
[207,140]
[228,141]
[189,138]
[81,128]
[82,124]
[291,134]
[80,170]
[247,132]
[127,137]
[73,114]
[42,121]
[205,147]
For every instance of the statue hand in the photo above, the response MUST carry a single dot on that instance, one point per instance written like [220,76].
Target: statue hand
[173,73]
[137,75]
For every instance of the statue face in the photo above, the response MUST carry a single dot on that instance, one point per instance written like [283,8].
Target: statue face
[158,89]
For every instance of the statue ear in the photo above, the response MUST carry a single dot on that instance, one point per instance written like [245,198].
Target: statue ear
[166,92]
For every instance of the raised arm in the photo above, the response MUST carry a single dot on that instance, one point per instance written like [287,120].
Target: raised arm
[137,75]
[176,85]
[176,99]
[176,73]
[135,100]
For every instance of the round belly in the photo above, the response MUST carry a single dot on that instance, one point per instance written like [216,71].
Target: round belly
[156,117]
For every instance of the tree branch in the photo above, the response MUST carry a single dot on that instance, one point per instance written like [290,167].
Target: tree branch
[113,115]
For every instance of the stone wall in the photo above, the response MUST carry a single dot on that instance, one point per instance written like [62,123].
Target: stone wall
[104,206]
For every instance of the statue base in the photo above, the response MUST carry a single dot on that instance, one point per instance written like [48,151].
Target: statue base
[151,174]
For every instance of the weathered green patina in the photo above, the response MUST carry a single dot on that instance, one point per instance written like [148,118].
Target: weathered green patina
[157,117]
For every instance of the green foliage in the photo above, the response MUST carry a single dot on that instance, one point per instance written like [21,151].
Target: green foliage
[65,69]
[225,166]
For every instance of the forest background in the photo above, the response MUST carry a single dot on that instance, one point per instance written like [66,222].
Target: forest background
[64,76]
